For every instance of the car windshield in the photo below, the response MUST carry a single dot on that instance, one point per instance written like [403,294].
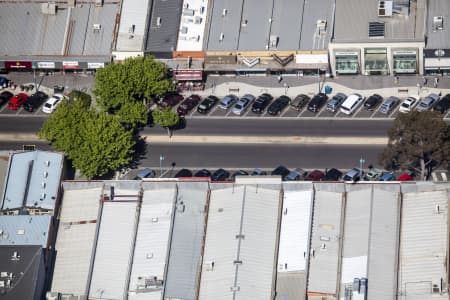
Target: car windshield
[47,105]
[238,106]
[405,105]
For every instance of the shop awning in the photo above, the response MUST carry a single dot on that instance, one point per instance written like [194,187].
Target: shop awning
[312,61]
[183,75]
[437,62]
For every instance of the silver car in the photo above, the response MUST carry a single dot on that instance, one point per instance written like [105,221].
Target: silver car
[388,105]
[228,101]
[241,106]
[428,102]
[335,102]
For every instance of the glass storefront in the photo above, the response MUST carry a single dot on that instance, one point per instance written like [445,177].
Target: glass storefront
[405,61]
[376,62]
[347,62]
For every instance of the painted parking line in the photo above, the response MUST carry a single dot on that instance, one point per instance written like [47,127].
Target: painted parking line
[300,112]
[374,113]
[4,107]
[447,115]
[283,112]
[357,112]
[394,111]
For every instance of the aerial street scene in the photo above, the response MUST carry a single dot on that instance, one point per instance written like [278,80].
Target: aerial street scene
[224,149]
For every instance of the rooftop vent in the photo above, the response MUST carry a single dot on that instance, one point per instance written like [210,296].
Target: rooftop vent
[321,26]
[15,256]
[158,21]
[273,41]
[438,23]
[244,23]
[96,27]
[221,37]
[224,12]
[45,174]
[376,29]
[48,8]
[385,8]
[47,163]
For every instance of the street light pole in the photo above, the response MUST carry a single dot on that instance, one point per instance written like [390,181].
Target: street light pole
[161,158]
[361,163]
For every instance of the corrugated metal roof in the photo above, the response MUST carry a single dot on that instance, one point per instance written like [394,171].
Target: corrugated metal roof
[25,230]
[326,230]
[255,34]
[114,250]
[311,37]
[133,19]
[33,179]
[224,19]
[152,239]
[164,38]
[76,237]
[423,244]
[186,244]
[352,19]
[438,39]
[286,23]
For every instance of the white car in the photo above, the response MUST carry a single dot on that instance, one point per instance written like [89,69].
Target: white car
[50,105]
[351,103]
[408,104]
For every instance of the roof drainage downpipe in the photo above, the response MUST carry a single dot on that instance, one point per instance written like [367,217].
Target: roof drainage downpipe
[66,32]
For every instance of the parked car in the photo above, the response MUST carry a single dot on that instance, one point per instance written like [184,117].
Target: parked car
[261,103]
[220,175]
[145,173]
[315,175]
[241,106]
[278,105]
[354,175]
[405,177]
[170,99]
[373,174]
[317,102]
[188,104]
[351,104]
[388,105]
[387,177]
[17,101]
[228,101]
[3,82]
[51,104]
[281,171]
[5,96]
[299,102]
[295,175]
[442,106]
[334,103]
[34,101]
[372,102]
[207,103]
[428,102]
[332,175]
[183,173]
[202,173]
[408,104]
[258,172]
[239,173]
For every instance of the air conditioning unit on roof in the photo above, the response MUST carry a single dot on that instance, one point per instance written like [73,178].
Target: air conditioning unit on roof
[385,8]
[438,23]
[48,8]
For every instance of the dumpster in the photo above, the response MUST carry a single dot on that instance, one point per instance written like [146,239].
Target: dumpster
[328,89]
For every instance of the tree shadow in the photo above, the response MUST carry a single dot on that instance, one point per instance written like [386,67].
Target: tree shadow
[139,151]
[180,125]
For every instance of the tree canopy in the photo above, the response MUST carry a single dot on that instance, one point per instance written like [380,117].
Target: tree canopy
[165,118]
[95,141]
[117,86]
[418,140]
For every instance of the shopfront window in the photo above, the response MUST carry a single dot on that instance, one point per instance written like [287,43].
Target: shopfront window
[347,62]
[405,62]
[376,62]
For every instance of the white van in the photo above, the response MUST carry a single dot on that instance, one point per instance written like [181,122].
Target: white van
[351,103]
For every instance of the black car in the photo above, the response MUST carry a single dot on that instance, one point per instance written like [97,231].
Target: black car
[5,96]
[299,102]
[443,105]
[202,173]
[373,101]
[34,101]
[261,103]
[239,173]
[278,105]
[281,171]
[220,175]
[332,175]
[317,102]
[207,103]
[183,173]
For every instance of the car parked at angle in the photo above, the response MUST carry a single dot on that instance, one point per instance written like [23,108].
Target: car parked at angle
[372,102]
[299,102]
[239,173]
[261,103]
[241,106]
[183,173]
[17,101]
[202,173]
[351,104]
[220,175]
[317,102]
[51,104]
[278,105]
[188,104]
[428,102]
[442,106]
[145,173]
[335,102]
[207,104]
[373,174]
[170,99]
[408,104]
[315,175]
[258,172]
[5,96]
[295,175]
[388,176]
[388,105]
[354,175]
[3,82]
[332,175]
[228,101]
[34,101]
[280,171]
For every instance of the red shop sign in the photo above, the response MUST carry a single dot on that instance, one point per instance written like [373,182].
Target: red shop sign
[18,64]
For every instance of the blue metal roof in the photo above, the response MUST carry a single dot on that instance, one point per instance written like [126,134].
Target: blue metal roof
[24,230]
[32,180]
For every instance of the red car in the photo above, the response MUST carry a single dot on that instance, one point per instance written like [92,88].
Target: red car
[188,104]
[16,102]
[170,99]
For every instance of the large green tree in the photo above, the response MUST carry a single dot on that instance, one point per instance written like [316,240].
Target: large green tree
[117,86]
[165,118]
[418,140]
[95,142]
